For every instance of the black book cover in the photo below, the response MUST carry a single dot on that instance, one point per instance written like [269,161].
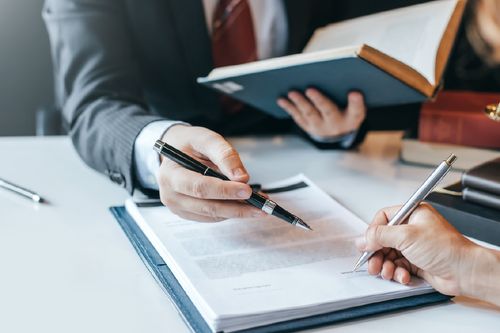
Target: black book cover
[473,220]
[481,198]
[485,177]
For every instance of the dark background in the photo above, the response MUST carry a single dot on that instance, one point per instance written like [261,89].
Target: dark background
[25,66]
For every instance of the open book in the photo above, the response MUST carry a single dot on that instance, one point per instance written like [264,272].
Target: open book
[247,273]
[394,57]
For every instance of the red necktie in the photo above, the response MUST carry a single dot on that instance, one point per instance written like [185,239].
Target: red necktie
[233,40]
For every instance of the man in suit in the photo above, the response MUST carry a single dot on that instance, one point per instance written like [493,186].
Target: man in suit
[126,75]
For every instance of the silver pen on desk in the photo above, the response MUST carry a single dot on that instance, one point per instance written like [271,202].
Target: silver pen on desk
[21,191]
[405,211]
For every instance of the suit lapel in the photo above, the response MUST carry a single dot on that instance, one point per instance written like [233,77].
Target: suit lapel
[190,25]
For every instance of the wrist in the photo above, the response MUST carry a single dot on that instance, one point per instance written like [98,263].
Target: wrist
[480,272]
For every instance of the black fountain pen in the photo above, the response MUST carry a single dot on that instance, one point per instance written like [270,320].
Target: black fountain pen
[256,200]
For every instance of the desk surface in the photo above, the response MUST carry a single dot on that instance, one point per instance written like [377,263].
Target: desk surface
[67,266]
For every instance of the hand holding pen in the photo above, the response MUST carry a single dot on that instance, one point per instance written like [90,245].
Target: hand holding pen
[429,247]
[194,192]
[404,212]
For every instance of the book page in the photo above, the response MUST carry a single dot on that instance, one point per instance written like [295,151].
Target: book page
[279,62]
[247,271]
[411,35]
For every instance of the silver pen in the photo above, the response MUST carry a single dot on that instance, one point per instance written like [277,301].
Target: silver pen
[405,211]
[21,191]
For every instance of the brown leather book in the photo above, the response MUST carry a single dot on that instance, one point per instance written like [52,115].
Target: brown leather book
[457,117]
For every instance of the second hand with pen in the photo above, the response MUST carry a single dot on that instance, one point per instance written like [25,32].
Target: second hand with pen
[266,205]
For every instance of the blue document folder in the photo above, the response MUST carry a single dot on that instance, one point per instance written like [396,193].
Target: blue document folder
[193,318]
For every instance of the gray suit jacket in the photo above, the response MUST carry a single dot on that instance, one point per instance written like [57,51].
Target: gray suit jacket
[121,64]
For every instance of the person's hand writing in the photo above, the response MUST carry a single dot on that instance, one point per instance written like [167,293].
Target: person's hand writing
[319,116]
[201,198]
[428,247]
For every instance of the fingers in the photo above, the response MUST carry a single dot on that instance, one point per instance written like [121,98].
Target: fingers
[195,196]
[397,270]
[375,263]
[318,115]
[201,198]
[401,275]
[293,111]
[221,153]
[383,216]
[325,106]
[356,111]
[403,271]
[388,269]
[396,237]
[211,210]
[307,109]
[189,183]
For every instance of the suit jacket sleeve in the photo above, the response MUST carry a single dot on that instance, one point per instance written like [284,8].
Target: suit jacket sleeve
[97,83]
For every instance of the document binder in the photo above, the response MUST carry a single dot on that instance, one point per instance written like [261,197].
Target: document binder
[193,318]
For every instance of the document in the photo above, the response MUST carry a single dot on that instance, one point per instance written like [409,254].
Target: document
[246,271]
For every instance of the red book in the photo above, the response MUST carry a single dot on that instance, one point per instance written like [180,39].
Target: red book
[457,117]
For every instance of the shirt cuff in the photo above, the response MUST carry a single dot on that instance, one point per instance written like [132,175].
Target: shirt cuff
[345,140]
[146,160]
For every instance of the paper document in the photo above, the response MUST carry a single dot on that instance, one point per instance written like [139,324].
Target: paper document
[246,271]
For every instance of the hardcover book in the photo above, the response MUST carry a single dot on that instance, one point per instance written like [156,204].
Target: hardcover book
[394,57]
[457,117]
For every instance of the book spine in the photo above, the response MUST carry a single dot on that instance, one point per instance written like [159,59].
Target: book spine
[461,128]
[470,219]
[481,198]
[481,184]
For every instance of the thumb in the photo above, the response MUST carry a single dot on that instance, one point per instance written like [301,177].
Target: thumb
[222,154]
[380,236]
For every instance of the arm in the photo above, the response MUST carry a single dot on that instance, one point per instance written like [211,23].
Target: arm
[100,92]
[484,268]
[97,83]
[429,247]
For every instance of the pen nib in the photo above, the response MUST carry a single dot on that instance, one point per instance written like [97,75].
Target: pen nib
[361,261]
[302,224]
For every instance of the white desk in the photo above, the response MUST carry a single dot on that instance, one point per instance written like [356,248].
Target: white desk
[68,267]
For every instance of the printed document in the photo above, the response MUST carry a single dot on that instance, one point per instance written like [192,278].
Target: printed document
[246,271]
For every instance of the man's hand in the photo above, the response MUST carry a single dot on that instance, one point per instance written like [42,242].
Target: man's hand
[428,247]
[319,116]
[201,198]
